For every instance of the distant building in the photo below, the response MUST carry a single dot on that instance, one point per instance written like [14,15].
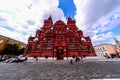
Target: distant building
[5,40]
[59,41]
[105,50]
[117,43]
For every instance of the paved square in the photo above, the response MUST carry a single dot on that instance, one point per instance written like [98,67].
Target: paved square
[60,71]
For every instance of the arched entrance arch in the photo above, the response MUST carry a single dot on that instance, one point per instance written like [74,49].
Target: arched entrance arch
[60,54]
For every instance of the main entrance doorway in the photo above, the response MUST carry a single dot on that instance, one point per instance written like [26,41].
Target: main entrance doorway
[60,55]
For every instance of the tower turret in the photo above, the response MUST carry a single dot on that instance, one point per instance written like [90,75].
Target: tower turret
[71,24]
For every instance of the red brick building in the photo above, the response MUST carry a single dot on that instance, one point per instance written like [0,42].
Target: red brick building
[59,41]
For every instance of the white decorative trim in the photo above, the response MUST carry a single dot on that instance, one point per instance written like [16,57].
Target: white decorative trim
[91,57]
[55,58]
[30,57]
[43,58]
[65,58]
[36,39]
[68,58]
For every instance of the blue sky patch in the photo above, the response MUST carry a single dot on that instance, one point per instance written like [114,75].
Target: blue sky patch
[30,22]
[7,27]
[68,7]
[116,30]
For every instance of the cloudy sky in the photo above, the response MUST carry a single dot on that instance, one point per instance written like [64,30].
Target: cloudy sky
[99,19]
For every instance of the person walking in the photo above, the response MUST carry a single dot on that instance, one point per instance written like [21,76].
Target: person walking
[77,59]
[25,60]
[71,62]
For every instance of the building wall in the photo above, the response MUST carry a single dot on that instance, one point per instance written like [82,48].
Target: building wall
[59,40]
[5,40]
[103,49]
[100,50]
[111,49]
[117,43]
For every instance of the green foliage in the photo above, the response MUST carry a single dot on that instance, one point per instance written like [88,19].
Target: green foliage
[20,51]
[12,49]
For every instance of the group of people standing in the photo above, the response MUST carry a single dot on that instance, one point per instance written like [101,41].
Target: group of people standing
[76,60]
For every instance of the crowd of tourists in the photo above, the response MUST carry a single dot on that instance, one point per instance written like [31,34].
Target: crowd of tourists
[10,59]
[17,59]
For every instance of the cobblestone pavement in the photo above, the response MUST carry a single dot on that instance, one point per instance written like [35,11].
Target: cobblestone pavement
[59,70]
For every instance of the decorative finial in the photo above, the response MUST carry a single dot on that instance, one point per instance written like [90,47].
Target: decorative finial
[50,18]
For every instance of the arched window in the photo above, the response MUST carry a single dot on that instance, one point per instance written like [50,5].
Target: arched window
[38,47]
[81,46]
[48,44]
[89,49]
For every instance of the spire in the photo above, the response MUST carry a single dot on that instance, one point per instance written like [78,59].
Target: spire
[50,18]
[69,18]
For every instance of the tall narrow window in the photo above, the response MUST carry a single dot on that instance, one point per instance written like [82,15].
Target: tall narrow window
[29,50]
[71,44]
[48,44]
[59,38]
[89,50]
[81,47]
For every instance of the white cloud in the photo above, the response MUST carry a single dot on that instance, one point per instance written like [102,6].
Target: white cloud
[15,14]
[97,17]
[102,38]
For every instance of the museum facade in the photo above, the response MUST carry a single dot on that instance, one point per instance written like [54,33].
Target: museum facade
[59,41]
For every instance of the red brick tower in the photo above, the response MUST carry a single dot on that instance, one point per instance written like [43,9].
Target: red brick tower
[59,41]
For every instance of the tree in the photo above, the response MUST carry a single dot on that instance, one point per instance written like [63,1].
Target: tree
[10,49]
[20,51]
